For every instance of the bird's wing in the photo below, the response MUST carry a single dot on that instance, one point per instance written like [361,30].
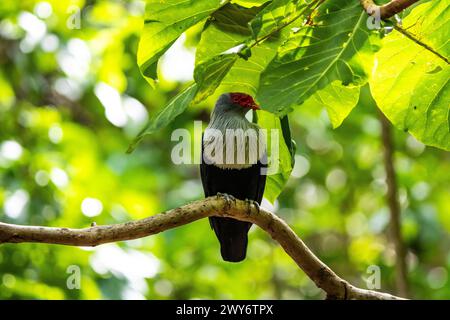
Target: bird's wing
[204,174]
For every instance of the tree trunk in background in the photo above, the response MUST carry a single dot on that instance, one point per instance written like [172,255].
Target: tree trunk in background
[394,208]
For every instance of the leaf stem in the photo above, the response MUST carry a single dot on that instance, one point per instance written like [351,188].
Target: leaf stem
[410,36]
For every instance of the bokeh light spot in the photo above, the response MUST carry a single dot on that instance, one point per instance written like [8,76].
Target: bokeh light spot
[91,207]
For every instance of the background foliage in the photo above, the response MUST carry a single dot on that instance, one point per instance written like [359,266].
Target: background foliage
[72,100]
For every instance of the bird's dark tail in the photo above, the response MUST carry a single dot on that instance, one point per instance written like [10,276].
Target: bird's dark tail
[232,235]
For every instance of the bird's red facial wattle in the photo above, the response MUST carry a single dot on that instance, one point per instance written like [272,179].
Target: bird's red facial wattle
[244,100]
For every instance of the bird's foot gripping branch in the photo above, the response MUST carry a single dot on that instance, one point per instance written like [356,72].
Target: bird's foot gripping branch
[221,205]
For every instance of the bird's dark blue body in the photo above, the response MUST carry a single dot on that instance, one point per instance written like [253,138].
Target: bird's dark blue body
[245,182]
[242,184]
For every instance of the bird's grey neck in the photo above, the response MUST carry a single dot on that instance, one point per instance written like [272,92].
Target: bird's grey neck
[232,119]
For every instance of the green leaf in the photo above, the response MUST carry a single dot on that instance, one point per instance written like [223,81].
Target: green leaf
[244,75]
[290,143]
[411,83]
[209,74]
[276,15]
[249,3]
[339,101]
[337,47]
[228,29]
[173,109]
[284,160]
[164,22]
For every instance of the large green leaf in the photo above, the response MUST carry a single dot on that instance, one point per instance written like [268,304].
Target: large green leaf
[339,101]
[209,74]
[335,48]
[173,109]
[411,83]
[164,22]
[277,14]
[230,28]
[227,29]
[283,161]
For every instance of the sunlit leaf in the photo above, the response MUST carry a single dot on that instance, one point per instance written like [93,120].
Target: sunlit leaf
[230,28]
[277,14]
[164,22]
[281,164]
[173,109]
[249,3]
[411,83]
[209,74]
[226,31]
[339,101]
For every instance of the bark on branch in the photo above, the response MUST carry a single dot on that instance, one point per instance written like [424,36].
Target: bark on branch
[316,270]
[387,10]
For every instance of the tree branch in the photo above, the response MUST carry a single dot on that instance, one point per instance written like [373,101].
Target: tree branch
[394,207]
[387,10]
[317,271]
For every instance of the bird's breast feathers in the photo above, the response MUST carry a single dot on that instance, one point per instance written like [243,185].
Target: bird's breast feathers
[234,148]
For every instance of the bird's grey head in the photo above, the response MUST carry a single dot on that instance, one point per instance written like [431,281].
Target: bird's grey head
[229,128]
[234,102]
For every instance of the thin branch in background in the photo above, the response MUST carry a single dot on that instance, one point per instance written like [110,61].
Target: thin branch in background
[224,206]
[394,207]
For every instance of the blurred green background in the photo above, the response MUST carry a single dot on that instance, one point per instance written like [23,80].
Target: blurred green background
[72,99]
